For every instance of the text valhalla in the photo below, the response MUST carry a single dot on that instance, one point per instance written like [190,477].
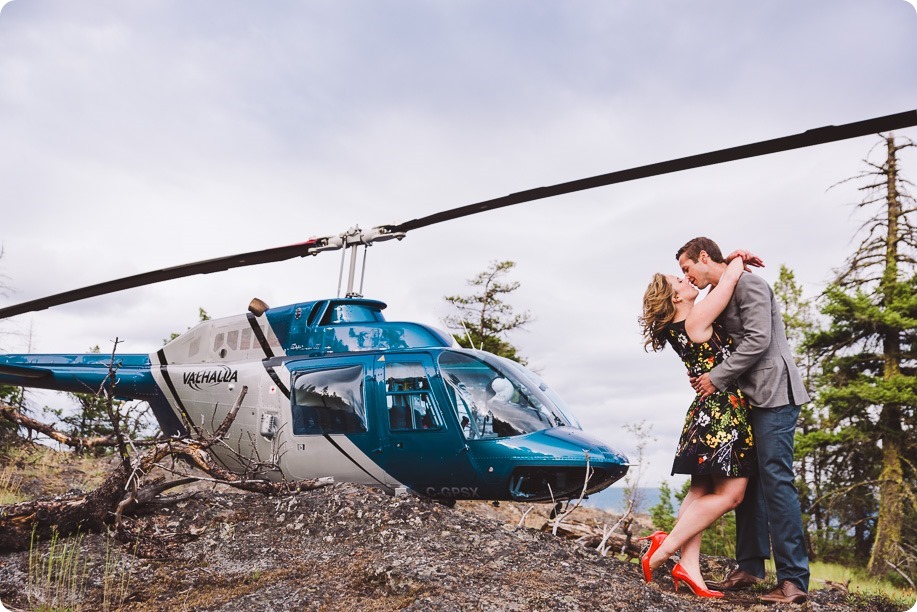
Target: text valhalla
[208,378]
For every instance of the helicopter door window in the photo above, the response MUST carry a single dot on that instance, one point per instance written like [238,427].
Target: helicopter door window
[464,409]
[232,339]
[329,401]
[408,398]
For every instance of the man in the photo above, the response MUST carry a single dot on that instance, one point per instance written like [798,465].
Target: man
[762,365]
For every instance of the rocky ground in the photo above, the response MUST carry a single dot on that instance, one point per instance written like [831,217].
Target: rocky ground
[347,547]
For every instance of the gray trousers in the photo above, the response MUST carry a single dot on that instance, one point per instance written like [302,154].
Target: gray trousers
[771,503]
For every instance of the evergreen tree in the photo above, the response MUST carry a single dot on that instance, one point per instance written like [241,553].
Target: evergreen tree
[797,313]
[868,374]
[633,491]
[663,513]
[484,318]
[201,317]
[798,320]
[9,431]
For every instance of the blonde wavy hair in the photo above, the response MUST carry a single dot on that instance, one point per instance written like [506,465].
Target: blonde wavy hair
[658,312]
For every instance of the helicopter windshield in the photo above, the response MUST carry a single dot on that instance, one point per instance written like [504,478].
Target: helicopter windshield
[496,400]
[527,374]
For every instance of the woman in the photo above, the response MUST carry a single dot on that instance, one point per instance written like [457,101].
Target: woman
[716,445]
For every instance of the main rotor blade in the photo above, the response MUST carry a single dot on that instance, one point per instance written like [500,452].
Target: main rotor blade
[808,138]
[147,278]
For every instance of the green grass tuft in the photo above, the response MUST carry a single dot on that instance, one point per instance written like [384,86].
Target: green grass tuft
[858,581]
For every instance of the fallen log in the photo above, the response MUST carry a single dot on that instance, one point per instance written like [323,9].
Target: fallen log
[592,536]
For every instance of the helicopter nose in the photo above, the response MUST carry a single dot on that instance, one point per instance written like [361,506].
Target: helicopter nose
[555,464]
[543,483]
[581,445]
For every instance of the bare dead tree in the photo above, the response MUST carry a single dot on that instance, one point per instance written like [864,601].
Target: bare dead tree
[525,515]
[590,536]
[608,532]
[602,538]
[128,487]
[114,417]
[14,415]
[568,510]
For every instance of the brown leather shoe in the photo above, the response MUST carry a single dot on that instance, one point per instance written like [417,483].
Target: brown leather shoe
[786,592]
[736,580]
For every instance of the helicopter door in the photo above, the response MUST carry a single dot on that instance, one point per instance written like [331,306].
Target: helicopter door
[424,448]
[333,429]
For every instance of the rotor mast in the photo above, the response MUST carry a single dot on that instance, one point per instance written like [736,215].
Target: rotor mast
[351,241]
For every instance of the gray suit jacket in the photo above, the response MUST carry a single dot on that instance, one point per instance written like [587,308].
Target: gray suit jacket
[761,362]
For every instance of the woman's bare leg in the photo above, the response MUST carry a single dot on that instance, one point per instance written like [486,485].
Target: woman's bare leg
[694,517]
[690,550]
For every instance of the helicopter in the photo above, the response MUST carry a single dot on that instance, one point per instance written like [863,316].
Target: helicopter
[329,387]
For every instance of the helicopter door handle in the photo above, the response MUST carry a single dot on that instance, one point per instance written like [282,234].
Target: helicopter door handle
[399,444]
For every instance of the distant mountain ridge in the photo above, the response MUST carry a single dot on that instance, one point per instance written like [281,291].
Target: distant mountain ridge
[612,499]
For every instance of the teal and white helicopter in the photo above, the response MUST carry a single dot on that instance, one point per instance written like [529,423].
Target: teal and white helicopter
[333,389]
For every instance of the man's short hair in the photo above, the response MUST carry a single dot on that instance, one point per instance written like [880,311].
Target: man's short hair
[694,246]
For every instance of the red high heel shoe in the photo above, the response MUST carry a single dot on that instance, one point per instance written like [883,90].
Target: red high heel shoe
[655,541]
[679,573]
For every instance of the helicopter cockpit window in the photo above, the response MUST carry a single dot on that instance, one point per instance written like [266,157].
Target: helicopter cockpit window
[408,398]
[329,401]
[492,400]
[351,313]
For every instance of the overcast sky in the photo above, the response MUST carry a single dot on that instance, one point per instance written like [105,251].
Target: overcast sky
[145,134]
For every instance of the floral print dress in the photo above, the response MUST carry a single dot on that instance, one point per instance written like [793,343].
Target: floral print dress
[717,438]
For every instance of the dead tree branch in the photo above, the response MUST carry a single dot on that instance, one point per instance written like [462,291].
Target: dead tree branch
[558,519]
[125,489]
[11,414]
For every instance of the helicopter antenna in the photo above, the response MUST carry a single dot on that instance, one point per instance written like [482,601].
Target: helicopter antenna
[341,272]
[468,335]
[363,271]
